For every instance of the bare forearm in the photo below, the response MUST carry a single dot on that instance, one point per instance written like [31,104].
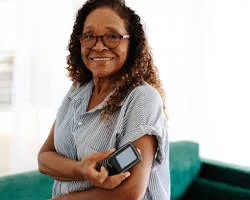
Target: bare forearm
[127,190]
[97,194]
[58,166]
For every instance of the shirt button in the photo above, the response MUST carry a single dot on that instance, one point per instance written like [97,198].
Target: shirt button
[79,123]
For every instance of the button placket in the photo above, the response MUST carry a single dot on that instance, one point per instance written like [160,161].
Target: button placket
[75,105]
[76,120]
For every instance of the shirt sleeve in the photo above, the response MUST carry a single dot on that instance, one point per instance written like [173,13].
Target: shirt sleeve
[145,116]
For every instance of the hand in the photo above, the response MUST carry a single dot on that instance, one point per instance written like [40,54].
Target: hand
[100,178]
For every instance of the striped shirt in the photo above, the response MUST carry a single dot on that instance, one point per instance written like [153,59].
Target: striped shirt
[79,132]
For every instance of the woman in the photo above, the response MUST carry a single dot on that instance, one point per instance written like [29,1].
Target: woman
[115,98]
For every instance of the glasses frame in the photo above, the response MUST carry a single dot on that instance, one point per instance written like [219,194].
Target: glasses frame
[126,36]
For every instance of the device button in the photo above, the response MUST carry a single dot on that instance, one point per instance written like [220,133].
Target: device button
[79,123]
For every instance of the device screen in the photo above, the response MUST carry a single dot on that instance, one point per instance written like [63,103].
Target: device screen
[126,157]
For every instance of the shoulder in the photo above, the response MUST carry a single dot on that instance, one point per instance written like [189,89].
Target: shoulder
[146,92]
[144,95]
[73,87]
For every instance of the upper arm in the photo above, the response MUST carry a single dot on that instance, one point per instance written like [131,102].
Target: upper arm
[135,186]
[49,142]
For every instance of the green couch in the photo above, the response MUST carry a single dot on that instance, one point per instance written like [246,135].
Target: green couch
[191,178]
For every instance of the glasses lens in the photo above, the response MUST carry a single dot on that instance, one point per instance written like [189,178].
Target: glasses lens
[111,40]
[88,40]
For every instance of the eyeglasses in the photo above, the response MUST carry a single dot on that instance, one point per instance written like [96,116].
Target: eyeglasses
[110,40]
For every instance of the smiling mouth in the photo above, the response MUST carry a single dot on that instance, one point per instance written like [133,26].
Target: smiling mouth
[102,59]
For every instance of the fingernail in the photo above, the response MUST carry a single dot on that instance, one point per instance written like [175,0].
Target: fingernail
[127,174]
[112,149]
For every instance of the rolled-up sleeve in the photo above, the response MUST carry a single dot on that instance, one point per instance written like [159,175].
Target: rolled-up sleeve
[145,116]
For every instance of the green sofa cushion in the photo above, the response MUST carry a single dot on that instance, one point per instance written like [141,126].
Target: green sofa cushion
[28,186]
[185,165]
[212,190]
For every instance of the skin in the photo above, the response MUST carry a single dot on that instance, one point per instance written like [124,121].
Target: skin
[132,185]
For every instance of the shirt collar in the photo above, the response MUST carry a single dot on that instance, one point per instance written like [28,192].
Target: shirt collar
[79,92]
[85,91]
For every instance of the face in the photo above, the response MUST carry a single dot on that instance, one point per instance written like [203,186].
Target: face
[100,60]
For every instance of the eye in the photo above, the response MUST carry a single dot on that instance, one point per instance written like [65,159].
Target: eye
[112,36]
[88,36]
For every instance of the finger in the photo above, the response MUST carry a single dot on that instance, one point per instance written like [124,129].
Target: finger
[114,181]
[103,175]
[99,156]
[122,176]
[97,177]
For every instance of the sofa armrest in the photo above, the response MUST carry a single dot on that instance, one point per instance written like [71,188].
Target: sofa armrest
[225,173]
[184,166]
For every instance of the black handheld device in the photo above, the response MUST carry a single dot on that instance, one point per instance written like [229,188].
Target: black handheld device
[122,159]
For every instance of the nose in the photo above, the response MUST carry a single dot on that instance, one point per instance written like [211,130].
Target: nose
[99,46]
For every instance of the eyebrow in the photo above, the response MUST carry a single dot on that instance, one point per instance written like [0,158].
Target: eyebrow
[107,27]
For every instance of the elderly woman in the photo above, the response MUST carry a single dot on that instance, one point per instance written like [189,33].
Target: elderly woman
[116,98]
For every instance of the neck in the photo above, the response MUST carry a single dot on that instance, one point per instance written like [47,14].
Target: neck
[103,85]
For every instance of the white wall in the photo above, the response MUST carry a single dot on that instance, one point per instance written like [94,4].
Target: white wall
[202,49]
[8,25]
[40,80]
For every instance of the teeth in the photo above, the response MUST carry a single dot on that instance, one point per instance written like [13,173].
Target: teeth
[96,59]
